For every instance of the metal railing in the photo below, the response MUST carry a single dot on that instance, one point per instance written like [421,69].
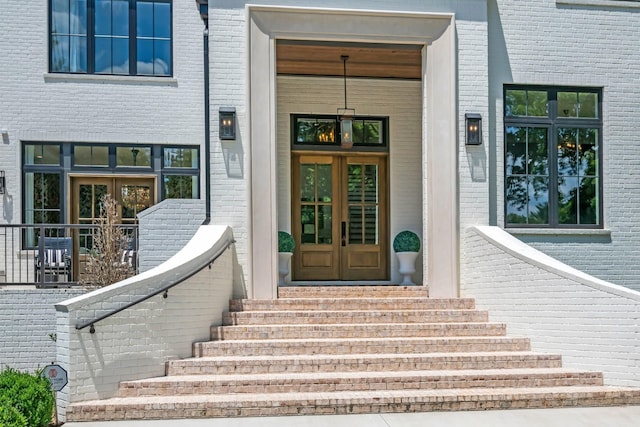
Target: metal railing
[54,255]
[163,289]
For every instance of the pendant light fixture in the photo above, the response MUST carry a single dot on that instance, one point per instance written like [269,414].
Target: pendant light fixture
[345,115]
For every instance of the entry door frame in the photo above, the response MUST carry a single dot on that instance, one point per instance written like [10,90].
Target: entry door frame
[440,144]
[342,260]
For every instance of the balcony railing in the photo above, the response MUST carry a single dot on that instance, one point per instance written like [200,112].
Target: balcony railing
[55,255]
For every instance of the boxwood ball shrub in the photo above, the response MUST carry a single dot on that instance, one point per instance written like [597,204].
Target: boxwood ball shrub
[406,241]
[285,242]
[25,397]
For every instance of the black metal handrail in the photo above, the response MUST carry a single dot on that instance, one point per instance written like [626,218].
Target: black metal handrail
[163,290]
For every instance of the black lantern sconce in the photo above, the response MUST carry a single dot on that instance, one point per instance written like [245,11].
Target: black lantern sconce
[474,128]
[3,182]
[227,123]
[345,115]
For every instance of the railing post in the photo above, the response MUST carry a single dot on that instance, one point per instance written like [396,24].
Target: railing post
[41,254]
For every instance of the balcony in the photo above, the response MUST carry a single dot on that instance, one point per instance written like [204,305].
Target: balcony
[57,255]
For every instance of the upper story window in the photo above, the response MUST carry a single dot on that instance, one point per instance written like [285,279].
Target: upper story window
[553,157]
[126,37]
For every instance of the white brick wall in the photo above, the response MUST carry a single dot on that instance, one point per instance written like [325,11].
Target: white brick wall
[592,323]
[547,42]
[165,228]
[137,342]
[27,317]
[36,106]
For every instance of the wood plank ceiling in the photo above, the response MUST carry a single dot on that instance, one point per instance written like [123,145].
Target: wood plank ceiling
[295,57]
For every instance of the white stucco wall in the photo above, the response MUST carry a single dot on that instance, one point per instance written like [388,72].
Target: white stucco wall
[578,43]
[592,323]
[136,342]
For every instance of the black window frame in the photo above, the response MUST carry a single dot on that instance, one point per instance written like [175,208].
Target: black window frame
[552,122]
[91,36]
[336,144]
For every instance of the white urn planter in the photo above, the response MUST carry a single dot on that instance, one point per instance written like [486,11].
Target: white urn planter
[407,266]
[406,245]
[284,260]
[286,246]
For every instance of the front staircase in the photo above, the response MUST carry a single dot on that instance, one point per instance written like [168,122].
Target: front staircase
[356,349]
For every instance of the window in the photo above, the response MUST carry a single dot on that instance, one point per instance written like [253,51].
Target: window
[130,37]
[180,173]
[553,166]
[324,130]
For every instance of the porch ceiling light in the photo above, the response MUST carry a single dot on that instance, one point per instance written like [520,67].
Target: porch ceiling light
[345,115]
[474,129]
[227,123]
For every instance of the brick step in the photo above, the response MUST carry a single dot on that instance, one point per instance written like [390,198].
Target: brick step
[356,330]
[319,304]
[227,365]
[279,347]
[352,316]
[356,381]
[387,291]
[348,402]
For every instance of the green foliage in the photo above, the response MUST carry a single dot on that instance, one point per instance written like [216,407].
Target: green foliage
[9,415]
[406,241]
[285,242]
[29,395]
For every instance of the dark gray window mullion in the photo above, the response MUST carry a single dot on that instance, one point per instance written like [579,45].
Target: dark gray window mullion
[133,40]
[91,36]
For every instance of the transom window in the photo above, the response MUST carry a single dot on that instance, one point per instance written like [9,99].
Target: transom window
[553,156]
[130,37]
[47,166]
[316,131]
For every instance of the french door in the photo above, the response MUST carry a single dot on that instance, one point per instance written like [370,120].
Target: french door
[132,194]
[340,206]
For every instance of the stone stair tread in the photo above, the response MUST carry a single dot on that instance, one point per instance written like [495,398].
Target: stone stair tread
[474,373]
[399,356]
[283,341]
[349,325]
[377,396]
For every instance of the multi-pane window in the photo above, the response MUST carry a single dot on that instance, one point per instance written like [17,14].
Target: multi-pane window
[324,130]
[553,170]
[130,37]
[180,175]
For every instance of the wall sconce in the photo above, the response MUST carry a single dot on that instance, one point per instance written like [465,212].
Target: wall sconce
[227,122]
[3,182]
[474,128]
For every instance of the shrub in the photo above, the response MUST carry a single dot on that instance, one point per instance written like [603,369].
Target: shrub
[104,264]
[285,242]
[10,416]
[28,395]
[406,241]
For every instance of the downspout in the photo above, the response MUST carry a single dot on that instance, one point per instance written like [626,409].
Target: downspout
[204,14]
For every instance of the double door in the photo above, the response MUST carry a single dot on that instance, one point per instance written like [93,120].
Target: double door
[132,194]
[340,205]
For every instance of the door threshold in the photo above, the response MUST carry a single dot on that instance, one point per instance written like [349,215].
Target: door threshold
[339,283]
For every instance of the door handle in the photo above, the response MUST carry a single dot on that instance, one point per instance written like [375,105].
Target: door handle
[344,233]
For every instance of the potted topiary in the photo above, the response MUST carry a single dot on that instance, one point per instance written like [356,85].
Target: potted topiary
[406,245]
[286,245]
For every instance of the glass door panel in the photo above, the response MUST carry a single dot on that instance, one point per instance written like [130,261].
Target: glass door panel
[315,226]
[364,254]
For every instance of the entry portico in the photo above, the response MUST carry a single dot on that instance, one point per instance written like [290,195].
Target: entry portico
[436,33]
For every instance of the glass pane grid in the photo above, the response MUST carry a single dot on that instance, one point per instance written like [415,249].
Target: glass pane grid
[573,151]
